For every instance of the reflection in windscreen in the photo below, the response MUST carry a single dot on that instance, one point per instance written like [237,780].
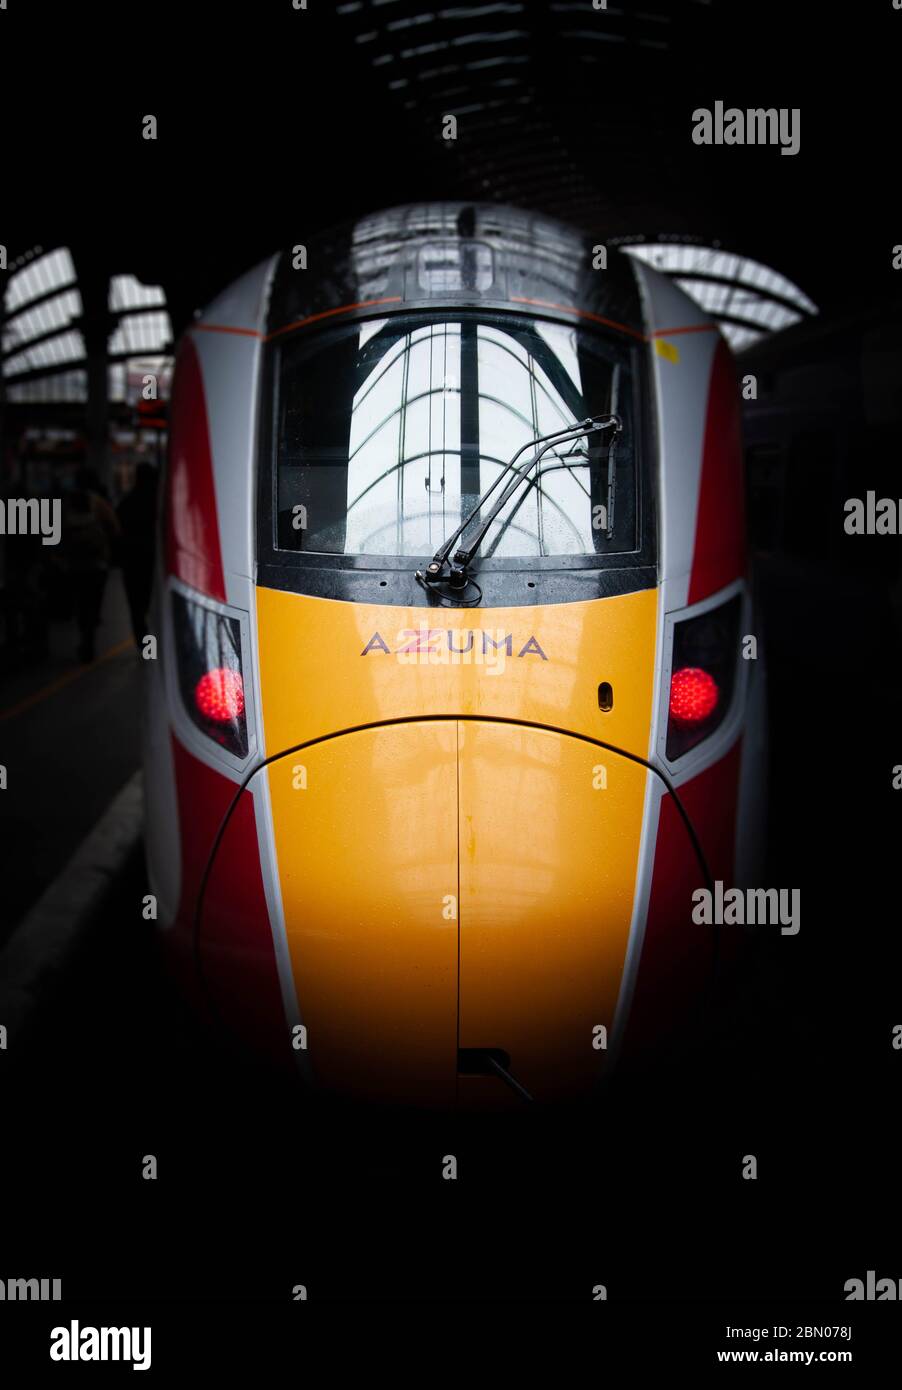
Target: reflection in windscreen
[389,431]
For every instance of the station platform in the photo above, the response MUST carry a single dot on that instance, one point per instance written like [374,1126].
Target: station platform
[69,739]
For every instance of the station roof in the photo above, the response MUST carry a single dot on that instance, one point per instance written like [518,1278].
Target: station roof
[309,117]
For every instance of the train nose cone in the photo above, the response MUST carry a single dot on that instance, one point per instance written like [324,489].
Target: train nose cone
[550,827]
[455,885]
[366,842]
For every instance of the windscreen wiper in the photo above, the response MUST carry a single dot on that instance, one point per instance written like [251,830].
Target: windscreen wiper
[455,572]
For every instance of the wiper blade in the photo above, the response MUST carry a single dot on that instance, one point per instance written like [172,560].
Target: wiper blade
[457,576]
[587,427]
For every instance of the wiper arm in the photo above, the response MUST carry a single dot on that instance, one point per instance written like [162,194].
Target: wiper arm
[591,426]
[445,548]
[458,577]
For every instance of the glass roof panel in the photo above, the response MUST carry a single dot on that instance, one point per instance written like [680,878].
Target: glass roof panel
[48,272]
[727,286]
[65,347]
[710,260]
[140,333]
[49,315]
[126,292]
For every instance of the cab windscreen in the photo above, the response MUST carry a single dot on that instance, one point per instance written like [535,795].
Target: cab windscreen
[388,432]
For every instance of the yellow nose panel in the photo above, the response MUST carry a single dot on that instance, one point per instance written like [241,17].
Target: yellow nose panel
[549,845]
[401,845]
[327,666]
[366,841]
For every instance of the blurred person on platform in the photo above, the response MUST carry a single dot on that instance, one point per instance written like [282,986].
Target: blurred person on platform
[24,602]
[90,533]
[137,515]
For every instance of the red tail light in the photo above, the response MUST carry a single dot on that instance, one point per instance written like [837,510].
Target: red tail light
[693,695]
[219,695]
[704,662]
[208,661]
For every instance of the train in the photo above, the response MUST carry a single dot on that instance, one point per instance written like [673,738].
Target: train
[455,704]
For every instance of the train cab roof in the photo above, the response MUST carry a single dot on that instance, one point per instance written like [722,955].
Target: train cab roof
[454,254]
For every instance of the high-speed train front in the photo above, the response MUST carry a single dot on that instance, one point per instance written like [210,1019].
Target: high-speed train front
[450,717]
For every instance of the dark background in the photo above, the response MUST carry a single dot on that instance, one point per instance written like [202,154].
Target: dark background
[274,123]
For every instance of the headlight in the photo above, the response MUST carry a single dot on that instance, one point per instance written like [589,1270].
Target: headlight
[703,674]
[208,656]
